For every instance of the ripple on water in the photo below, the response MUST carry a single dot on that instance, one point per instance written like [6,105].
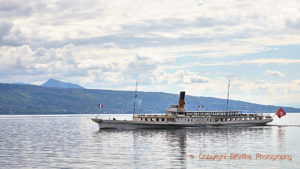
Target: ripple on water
[75,142]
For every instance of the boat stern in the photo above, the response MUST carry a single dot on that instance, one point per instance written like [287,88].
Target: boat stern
[268,119]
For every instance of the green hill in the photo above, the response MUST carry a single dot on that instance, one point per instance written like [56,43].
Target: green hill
[31,99]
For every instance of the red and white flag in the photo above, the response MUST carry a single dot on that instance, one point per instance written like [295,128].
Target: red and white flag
[280,112]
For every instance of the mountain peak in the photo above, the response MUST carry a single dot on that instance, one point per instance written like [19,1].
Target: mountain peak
[53,83]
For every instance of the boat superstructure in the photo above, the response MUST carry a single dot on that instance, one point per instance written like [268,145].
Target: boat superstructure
[178,117]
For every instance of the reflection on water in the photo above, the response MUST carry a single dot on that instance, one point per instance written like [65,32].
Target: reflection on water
[175,148]
[281,138]
[75,142]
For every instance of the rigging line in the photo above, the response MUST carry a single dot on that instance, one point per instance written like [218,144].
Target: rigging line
[135,95]
[227,96]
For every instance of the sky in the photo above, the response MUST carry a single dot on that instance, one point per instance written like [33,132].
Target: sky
[169,46]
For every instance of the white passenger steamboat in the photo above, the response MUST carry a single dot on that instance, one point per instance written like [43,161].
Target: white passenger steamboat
[178,117]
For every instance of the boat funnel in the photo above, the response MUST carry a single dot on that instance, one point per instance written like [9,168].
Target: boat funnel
[181,100]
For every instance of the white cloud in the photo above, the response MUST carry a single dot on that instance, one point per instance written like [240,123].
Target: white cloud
[103,44]
[55,21]
[274,73]
[104,63]
[267,92]
[179,77]
[233,63]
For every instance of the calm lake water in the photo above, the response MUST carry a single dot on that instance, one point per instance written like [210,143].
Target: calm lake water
[74,141]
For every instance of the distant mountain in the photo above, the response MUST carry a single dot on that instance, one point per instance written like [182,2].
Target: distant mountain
[31,99]
[21,83]
[59,84]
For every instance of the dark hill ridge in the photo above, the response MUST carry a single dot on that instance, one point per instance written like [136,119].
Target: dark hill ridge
[31,99]
[59,84]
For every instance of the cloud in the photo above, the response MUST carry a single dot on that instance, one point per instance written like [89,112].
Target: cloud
[293,24]
[5,27]
[104,63]
[23,61]
[274,73]
[241,62]
[14,8]
[264,90]
[267,61]
[149,23]
[177,78]
[110,44]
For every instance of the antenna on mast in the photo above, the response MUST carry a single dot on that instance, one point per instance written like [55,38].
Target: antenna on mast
[135,95]
[227,96]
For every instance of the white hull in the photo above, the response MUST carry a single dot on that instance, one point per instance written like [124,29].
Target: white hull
[122,124]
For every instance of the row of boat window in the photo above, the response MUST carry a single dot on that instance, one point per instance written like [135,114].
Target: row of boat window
[210,120]
[236,119]
[157,119]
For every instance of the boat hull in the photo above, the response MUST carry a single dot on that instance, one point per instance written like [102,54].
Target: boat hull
[128,125]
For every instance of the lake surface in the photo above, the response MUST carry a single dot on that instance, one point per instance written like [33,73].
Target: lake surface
[74,141]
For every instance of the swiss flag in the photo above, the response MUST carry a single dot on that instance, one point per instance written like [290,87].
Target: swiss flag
[280,112]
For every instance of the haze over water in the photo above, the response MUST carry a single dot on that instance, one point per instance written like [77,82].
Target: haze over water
[74,141]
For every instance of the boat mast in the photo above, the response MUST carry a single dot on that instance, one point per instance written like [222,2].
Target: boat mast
[227,96]
[135,95]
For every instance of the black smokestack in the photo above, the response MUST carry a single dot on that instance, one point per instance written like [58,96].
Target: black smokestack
[181,100]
